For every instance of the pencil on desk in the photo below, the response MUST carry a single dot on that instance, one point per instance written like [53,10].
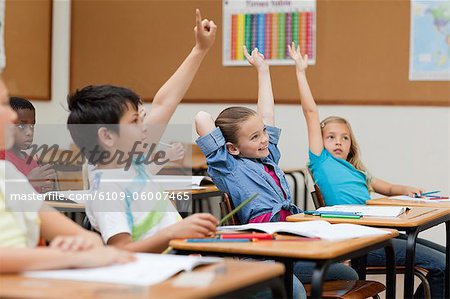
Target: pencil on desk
[167,250]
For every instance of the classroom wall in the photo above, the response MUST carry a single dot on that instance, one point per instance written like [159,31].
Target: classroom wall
[407,145]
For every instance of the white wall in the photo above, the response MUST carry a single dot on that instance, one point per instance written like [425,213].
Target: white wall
[406,145]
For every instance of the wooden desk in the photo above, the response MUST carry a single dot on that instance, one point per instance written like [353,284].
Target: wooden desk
[412,222]
[407,203]
[74,207]
[324,253]
[237,275]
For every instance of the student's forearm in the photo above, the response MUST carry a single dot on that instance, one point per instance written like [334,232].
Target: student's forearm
[54,224]
[154,244]
[397,190]
[307,101]
[173,91]
[265,97]
[23,259]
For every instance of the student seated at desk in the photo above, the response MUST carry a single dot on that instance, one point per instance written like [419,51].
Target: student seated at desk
[42,178]
[338,171]
[242,156]
[21,223]
[136,220]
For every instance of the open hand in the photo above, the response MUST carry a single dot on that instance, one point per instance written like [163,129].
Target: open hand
[301,62]
[256,59]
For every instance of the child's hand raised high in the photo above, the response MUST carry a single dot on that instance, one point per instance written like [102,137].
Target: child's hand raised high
[301,62]
[256,59]
[205,32]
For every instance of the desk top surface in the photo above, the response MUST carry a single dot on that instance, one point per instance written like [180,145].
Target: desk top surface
[302,249]
[409,203]
[230,276]
[416,216]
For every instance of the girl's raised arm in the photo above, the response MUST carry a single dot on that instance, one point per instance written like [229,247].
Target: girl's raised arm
[265,94]
[308,105]
[204,123]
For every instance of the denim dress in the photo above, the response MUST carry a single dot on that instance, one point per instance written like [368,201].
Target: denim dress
[241,177]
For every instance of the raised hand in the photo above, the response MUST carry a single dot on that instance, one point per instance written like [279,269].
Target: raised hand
[205,32]
[301,62]
[256,59]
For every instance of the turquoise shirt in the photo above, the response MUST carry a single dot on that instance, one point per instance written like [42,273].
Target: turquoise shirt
[339,181]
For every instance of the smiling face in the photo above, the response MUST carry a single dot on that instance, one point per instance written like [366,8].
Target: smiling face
[337,139]
[253,140]
[24,130]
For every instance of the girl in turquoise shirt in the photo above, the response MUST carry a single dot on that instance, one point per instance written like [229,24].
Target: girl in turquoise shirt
[337,169]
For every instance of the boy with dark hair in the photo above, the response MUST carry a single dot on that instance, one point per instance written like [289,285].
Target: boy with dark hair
[40,177]
[134,215]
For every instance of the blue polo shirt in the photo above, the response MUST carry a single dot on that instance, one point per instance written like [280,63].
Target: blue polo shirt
[339,181]
[241,177]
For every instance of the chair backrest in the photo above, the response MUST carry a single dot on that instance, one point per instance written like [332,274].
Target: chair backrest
[69,177]
[226,206]
[316,194]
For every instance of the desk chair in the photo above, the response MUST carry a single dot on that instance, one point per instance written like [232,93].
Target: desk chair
[226,206]
[353,289]
[69,177]
[418,271]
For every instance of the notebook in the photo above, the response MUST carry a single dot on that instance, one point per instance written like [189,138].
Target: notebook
[312,229]
[367,211]
[148,269]
[181,182]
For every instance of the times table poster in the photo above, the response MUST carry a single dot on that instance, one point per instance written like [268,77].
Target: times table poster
[269,25]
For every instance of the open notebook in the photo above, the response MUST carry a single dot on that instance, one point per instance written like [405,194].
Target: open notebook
[367,211]
[148,269]
[181,182]
[320,229]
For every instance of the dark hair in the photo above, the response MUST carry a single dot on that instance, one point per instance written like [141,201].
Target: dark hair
[101,106]
[18,103]
[229,121]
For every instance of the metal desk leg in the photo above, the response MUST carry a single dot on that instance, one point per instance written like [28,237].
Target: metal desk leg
[447,260]
[409,262]
[360,265]
[288,277]
[318,278]
[390,270]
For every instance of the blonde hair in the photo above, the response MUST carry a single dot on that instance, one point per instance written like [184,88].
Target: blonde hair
[354,156]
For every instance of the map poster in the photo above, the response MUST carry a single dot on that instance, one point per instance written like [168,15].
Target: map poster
[269,25]
[429,58]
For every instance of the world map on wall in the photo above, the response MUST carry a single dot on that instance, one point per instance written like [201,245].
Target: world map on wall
[430,40]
